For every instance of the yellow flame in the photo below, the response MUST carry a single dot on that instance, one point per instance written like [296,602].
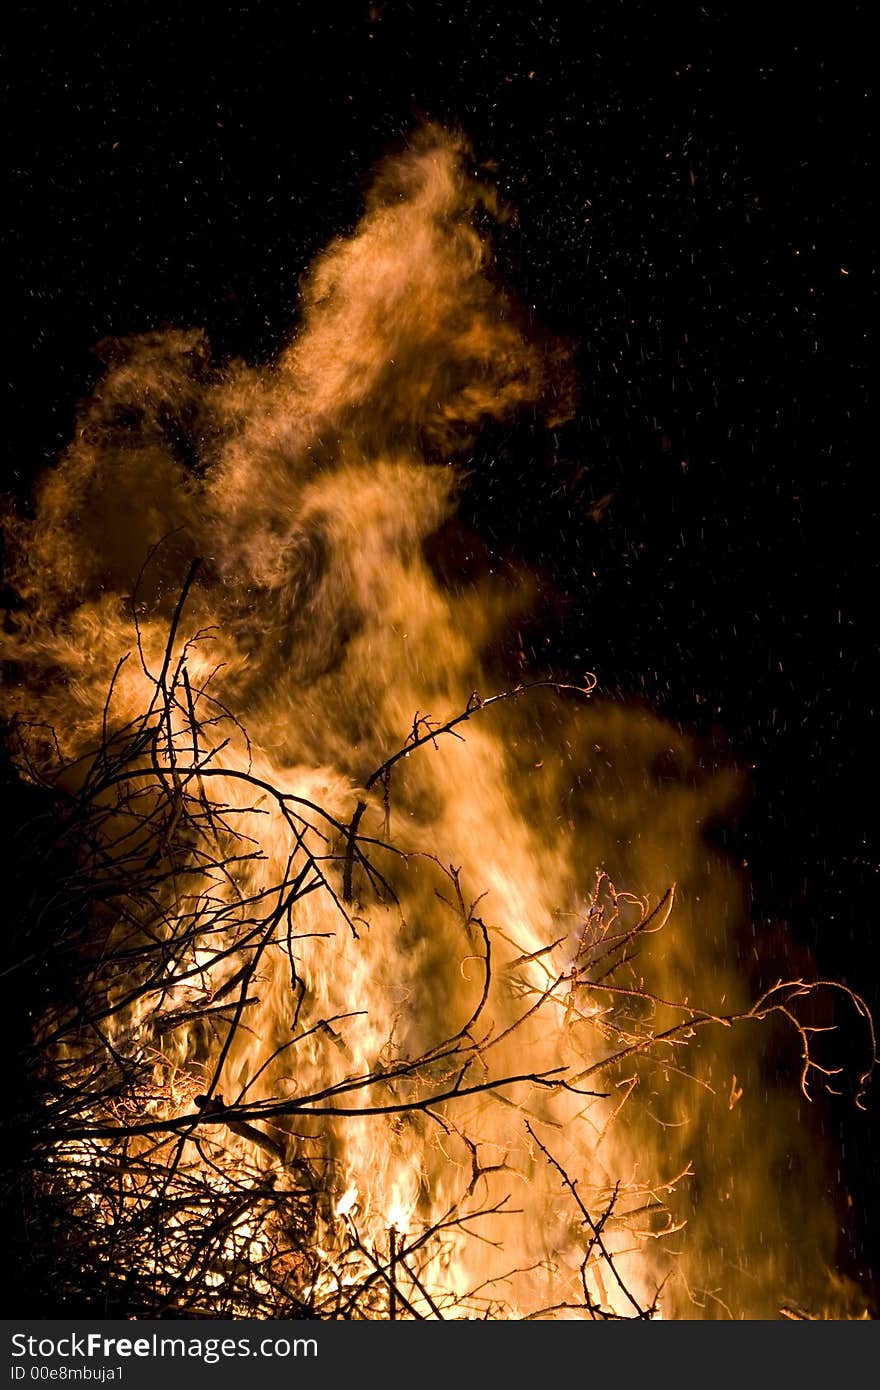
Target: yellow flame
[347,1202]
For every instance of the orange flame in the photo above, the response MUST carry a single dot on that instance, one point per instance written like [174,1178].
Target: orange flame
[317,482]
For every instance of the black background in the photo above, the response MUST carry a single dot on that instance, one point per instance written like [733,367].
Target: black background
[695,195]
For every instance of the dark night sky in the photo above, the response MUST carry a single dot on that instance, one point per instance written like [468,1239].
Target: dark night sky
[695,197]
